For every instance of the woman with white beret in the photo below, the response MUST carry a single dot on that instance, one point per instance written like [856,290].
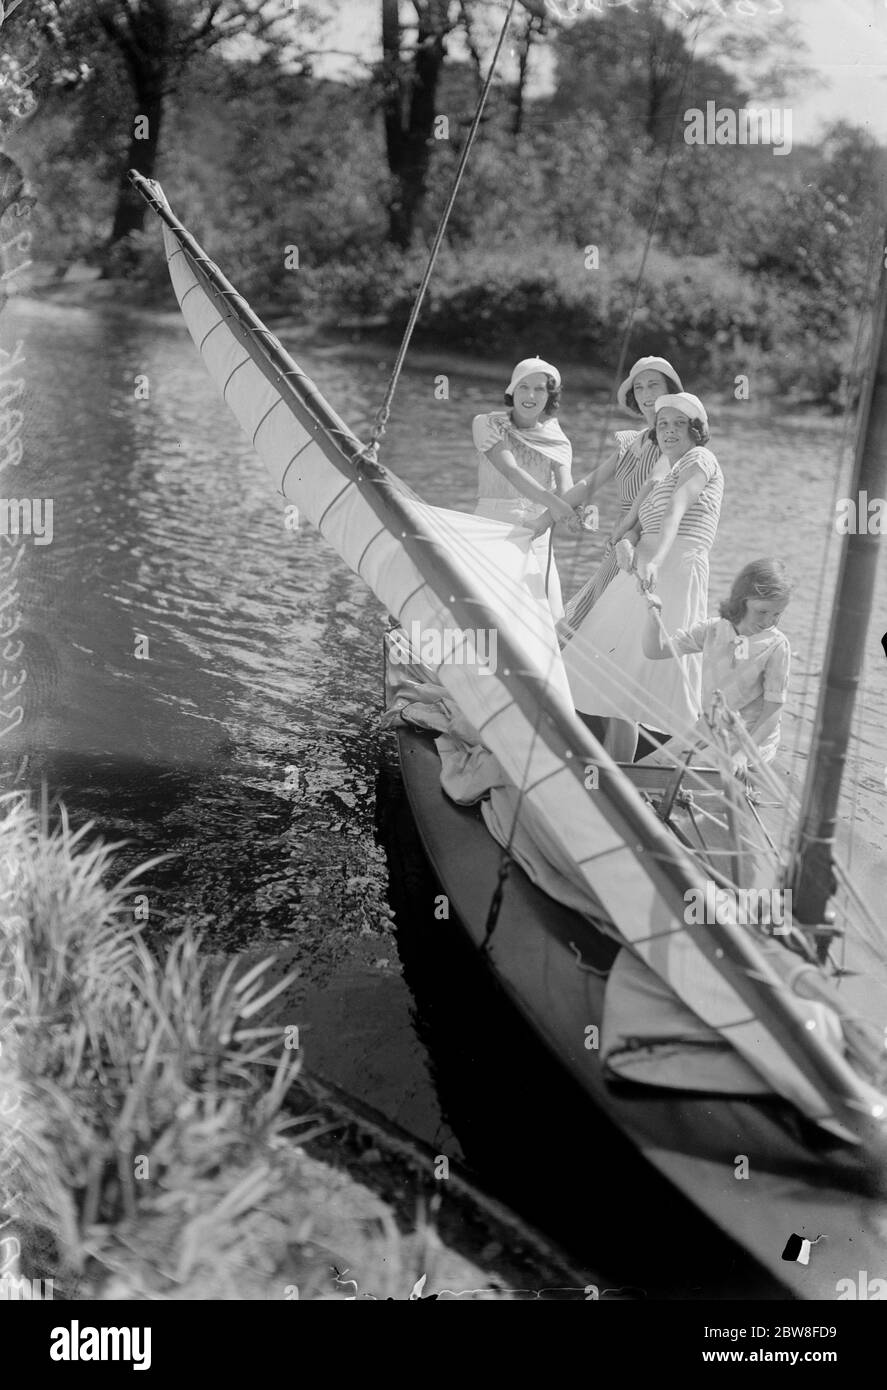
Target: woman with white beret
[631,463]
[524,461]
[662,544]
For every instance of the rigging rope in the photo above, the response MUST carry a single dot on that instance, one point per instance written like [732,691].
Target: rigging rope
[384,411]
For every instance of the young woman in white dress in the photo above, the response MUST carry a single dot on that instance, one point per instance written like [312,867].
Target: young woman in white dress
[631,463]
[524,461]
[663,543]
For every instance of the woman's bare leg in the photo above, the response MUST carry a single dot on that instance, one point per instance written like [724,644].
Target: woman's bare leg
[621,740]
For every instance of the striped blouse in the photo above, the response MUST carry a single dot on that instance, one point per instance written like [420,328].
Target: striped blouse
[700,520]
[638,455]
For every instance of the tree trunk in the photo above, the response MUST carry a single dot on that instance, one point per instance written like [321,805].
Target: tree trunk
[408,98]
[143,36]
[525,44]
[129,214]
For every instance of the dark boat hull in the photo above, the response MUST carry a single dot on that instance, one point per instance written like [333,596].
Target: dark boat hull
[800,1182]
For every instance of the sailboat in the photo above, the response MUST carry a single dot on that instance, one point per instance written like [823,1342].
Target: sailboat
[738,1058]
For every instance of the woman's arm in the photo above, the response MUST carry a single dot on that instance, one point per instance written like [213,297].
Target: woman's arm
[630,525]
[657,644]
[504,461]
[563,480]
[684,496]
[579,493]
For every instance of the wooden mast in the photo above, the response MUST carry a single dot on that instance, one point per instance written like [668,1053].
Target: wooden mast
[812,875]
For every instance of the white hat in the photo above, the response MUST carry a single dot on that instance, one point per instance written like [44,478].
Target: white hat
[647,364]
[527,368]
[690,405]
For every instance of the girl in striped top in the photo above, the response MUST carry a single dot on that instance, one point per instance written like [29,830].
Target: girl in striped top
[633,461]
[673,523]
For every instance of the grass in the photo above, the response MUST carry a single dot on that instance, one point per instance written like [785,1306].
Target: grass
[150,1146]
[141,1094]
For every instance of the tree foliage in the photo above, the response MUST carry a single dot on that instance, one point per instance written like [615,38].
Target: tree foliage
[147,47]
[750,257]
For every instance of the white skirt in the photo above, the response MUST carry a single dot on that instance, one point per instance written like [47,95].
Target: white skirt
[605,663]
[515,511]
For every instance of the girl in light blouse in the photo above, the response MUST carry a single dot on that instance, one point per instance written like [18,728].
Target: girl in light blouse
[744,656]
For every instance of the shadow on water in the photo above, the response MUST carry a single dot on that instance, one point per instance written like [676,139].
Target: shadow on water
[525,1128]
[232,864]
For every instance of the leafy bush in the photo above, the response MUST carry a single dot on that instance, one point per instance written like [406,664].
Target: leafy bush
[115,1061]
[710,318]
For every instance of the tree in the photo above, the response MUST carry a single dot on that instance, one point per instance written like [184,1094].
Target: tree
[530,30]
[409,77]
[532,27]
[153,42]
[640,69]
[413,57]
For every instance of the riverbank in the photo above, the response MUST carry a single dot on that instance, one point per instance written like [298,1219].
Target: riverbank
[372,340]
[165,1143]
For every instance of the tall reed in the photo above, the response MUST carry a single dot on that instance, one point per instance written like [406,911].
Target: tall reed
[141,1096]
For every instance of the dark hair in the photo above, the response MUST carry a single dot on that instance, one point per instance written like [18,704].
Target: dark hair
[698,431]
[630,402]
[767,579]
[552,405]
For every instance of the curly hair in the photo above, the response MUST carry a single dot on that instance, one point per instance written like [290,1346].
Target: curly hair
[768,579]
[552,405]
[630,402]
[698,431]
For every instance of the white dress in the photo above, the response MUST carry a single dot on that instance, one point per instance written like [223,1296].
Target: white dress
[605,663]
[499,500]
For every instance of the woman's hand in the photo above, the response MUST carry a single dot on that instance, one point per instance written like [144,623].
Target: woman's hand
[560,509]
[624,554]
[740,765]
[649,574]
[545,522]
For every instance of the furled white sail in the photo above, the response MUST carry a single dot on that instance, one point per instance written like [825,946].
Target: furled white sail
[446,570]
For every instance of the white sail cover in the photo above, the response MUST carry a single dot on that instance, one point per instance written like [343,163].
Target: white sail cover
[486,566]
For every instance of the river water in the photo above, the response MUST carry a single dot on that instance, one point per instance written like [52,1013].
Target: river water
[205,683]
